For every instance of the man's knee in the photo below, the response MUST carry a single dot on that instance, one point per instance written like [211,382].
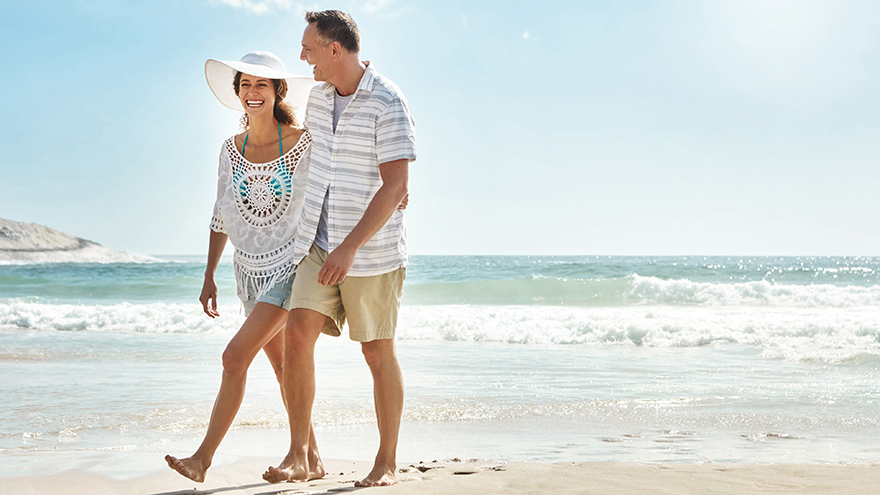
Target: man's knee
[378,352]
[302,329]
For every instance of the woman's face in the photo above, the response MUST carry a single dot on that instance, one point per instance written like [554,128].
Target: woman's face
[257,95]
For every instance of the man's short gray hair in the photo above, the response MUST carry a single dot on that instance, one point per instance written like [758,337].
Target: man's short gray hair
[334,25]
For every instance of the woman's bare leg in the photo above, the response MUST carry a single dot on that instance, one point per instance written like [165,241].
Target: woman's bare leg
[259,329]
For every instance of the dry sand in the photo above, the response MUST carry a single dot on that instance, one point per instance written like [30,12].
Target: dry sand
[611,478]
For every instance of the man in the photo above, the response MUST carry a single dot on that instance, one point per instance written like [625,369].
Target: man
[351,237]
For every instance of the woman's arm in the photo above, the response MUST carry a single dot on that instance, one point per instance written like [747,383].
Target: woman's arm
[209,287]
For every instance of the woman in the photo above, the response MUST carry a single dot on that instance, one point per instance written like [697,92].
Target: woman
[259,200]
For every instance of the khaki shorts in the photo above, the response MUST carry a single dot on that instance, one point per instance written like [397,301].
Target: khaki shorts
[369,303]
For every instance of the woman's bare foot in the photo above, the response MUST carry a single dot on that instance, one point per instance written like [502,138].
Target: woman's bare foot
[287,471]
[190,467]
[379,476]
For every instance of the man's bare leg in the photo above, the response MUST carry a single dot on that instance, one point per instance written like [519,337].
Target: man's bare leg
[388,397]
[300,335]
[275,352]
[258,330]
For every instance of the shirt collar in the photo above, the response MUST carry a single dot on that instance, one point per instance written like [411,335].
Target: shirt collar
[366,83]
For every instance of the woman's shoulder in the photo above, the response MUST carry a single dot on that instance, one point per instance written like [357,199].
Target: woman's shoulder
[237,140]
[293,137]
[291,132]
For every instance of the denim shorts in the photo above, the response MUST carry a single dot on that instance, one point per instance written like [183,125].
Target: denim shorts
[276,296]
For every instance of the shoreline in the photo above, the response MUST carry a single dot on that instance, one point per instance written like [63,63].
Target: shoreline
[242,476]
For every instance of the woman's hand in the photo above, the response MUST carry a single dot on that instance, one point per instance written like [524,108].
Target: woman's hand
[404,202]
[209,287]
[209,296]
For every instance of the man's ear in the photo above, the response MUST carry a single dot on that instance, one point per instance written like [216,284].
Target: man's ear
[335,49]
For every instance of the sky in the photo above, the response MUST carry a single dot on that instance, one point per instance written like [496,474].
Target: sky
[555,127]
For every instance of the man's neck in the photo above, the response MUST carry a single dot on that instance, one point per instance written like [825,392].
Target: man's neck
[350,76]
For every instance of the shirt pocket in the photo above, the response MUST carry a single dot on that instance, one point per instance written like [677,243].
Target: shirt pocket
[360,131]
[362,118]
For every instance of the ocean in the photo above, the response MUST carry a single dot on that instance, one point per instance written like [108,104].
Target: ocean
[506,358]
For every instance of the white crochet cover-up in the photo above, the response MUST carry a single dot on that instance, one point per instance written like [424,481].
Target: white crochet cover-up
[258,206]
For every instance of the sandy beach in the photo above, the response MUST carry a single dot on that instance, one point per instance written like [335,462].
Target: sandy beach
[653,374]
[607,478]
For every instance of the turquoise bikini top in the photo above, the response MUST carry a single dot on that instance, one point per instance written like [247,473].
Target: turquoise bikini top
[280,147]
[274,184]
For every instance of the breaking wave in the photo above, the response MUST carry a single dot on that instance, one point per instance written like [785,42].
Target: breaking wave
[636,290]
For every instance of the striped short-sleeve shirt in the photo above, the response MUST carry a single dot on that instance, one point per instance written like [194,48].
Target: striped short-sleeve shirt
[376,127]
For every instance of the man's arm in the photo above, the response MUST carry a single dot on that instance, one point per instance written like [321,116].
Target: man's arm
[395,175]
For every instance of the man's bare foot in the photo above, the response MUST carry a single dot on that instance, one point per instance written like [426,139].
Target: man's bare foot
[190,467]
[288,471]
[379,476]
[316,467]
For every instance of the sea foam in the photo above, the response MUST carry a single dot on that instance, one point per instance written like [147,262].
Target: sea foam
[825,334]
[651,290]
[123,317]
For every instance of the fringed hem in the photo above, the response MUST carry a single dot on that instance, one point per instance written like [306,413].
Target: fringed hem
[257,284]
[257,274]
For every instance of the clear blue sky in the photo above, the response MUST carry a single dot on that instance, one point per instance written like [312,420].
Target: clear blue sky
[577,127]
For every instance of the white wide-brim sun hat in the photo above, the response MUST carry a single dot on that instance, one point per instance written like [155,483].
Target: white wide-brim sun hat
[220,74]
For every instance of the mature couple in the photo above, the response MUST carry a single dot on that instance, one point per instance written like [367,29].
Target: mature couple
[319,238]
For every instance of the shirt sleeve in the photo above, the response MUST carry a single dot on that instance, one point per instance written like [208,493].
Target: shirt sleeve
[217,217]
[396,132]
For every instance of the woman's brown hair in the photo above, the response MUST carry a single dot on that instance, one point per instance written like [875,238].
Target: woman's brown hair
[283,112]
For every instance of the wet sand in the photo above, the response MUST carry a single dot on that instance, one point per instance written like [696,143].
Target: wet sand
[466,477]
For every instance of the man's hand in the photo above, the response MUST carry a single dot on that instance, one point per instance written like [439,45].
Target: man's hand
[337,265]
[387,199]
[209,297]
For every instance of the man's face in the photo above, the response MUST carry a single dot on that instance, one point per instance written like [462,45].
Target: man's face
[315,54]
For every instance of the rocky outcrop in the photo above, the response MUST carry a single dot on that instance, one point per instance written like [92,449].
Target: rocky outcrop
[37,243]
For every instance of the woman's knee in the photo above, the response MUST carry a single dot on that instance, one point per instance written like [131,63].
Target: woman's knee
[234,361]
[275,359]
[274,350]
[278,369]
